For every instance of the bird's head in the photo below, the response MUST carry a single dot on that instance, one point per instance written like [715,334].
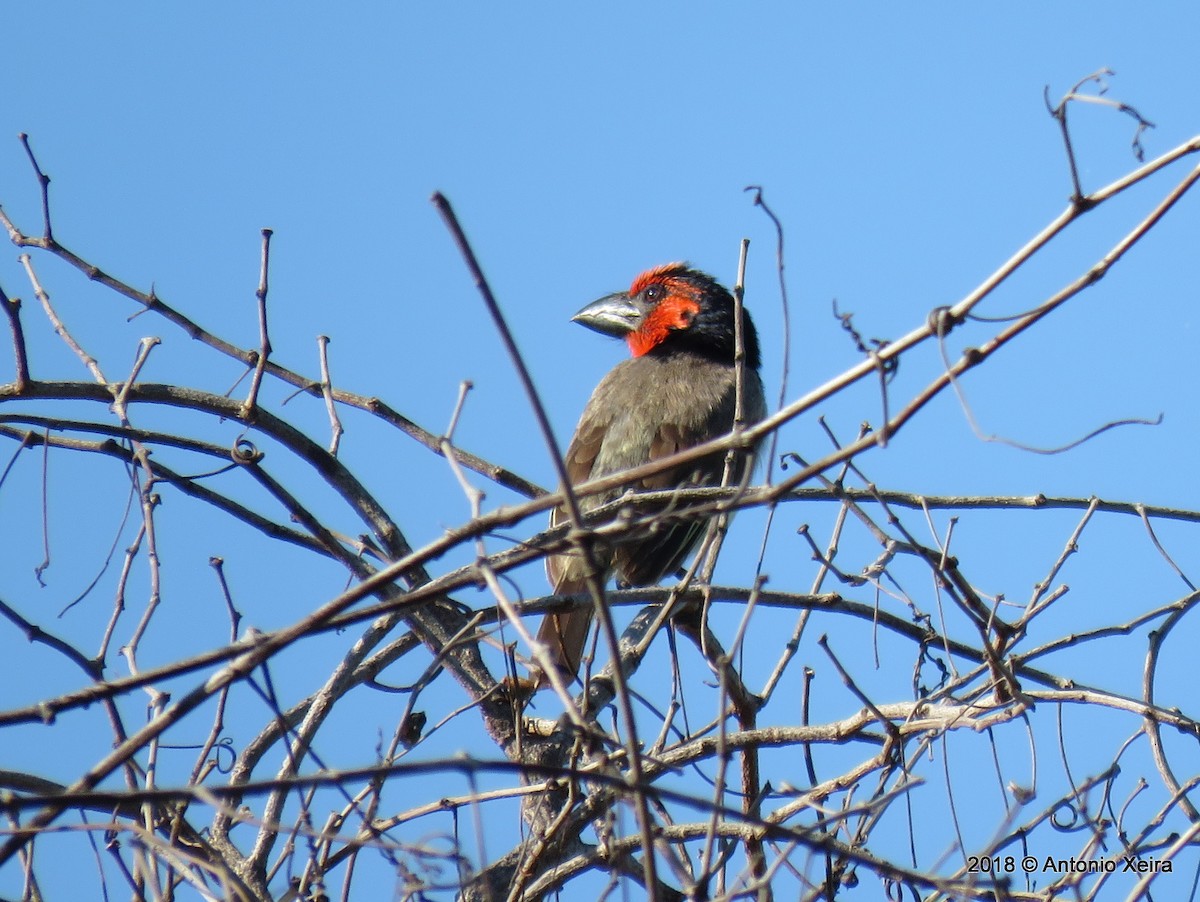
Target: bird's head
[673,307]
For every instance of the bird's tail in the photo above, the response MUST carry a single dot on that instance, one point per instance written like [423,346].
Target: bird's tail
[565,635]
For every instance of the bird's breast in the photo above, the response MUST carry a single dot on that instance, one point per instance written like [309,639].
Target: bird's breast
[649,407]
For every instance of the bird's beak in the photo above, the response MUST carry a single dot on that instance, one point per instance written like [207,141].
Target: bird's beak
[615,315]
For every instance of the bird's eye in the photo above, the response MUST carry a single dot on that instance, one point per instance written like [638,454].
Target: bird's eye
[654,292]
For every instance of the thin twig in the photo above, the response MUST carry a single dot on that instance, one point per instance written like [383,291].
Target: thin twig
[12,310]
[43,187]
[264,341]
[335,424]
[59,328]
[1162,551]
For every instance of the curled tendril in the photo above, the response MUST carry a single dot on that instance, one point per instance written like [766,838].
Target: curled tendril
[225,744]
[245,452]
[1065,825]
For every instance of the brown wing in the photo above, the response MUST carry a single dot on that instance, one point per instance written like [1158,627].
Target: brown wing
[661,551]
[563,569]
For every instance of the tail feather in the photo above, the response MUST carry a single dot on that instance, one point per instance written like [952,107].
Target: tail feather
[565,635]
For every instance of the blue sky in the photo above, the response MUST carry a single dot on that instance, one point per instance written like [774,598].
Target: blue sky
[906,148]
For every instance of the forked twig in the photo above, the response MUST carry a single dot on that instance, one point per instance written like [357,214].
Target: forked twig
[1059,112]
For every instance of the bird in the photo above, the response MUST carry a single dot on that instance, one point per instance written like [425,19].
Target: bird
[678,389]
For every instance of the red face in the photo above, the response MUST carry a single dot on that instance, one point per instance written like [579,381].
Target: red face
[672,301]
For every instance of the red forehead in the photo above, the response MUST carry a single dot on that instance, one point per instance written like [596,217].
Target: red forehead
[658,274]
